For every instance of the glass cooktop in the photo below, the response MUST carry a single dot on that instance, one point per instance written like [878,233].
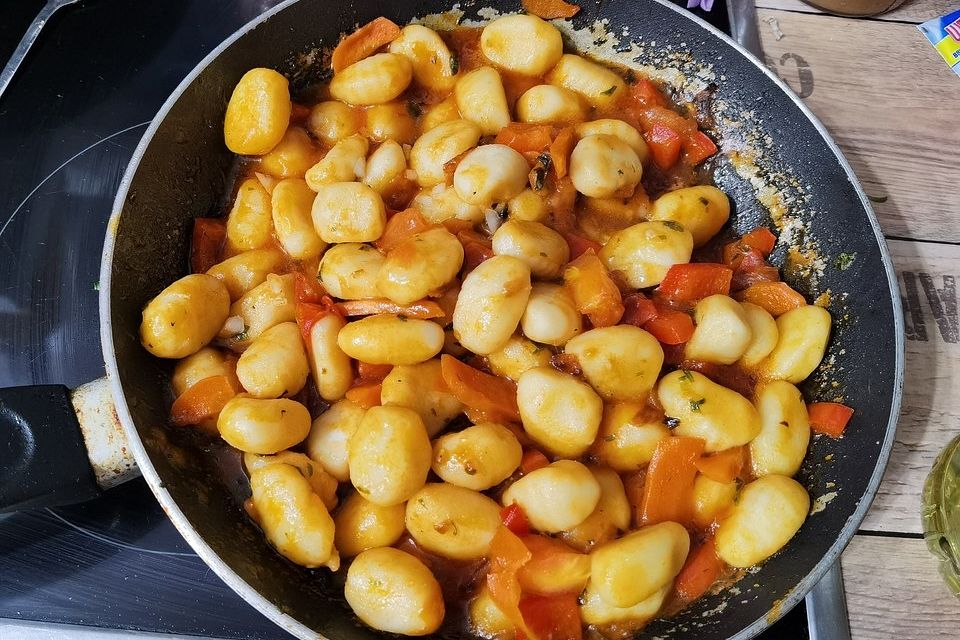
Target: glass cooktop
[69,123]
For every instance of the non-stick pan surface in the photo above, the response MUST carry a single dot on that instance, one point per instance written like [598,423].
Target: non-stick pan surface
[182,170]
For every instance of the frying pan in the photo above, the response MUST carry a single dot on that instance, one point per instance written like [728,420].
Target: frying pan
[775,152]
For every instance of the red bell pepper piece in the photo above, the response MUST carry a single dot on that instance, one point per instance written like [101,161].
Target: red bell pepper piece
[700,571]
[698,147]
[830,418]
[696,280]
[664,145]
[515,519]
[532,460]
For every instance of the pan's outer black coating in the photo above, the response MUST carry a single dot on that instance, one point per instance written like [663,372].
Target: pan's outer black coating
[185,170]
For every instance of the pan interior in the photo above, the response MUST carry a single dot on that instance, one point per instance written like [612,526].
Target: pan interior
[775,157]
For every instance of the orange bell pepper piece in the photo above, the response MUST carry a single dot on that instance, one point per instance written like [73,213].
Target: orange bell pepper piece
[363,42]
[550,9]
[776,297]
[493,397]
[695,280]
[668,490]
[700,571]
[594,292]
[202,401]
[365,395]
[723,466]
[422,309]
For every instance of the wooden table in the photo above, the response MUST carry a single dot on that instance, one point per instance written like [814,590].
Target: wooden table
[891,104]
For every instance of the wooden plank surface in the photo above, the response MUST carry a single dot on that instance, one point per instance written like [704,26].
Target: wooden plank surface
[885,96]
[894,591]
[914,11]
[930,416]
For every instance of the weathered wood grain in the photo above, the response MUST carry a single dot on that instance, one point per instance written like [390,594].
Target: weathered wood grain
[886,97]
[930,416]
[911,11]
[894,591]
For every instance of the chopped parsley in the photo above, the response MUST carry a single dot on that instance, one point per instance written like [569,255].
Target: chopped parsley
[844,260]
[696,404]
[414,109]
[610,438]
[96,286]
[704,201]
[672,423]
[454,64]
[401,317]
[670,224]
[308,470]
[609,92]
[240,337]
[686,376]
[784,423]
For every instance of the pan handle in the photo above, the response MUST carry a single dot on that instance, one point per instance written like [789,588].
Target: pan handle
[59,446]
[827,607]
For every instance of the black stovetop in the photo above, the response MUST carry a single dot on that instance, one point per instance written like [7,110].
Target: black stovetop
[68,125]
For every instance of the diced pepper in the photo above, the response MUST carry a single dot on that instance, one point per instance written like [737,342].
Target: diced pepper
[515,519]
[668,490]
[594,292]
[665,117]
[308,314]
[830,418]
[307,288]
[365,395]
[208,237]
[664,144]
[367,373]
[401,226]
[525,137]
[560,150]
[700,571]
[645,94]
[550,9]
[507,555]
[554,617]
[698,147]
[532,460]
[363,42]
[422,309]
[638,310]
[761,239]
[202,401]
[723,466]
[670,327]
[695,280]
[776,297]
[578,244]
[492,396]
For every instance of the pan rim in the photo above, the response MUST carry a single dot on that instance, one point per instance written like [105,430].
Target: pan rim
[295,627]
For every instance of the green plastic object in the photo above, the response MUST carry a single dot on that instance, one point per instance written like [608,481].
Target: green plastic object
[941,513]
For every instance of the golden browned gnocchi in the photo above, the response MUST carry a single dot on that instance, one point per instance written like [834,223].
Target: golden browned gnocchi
[389,455]
[479,457]
[361,525]
[492,301]
[389,339]
[420,266]
[185,316]
[374,80]
[421,387]
[293,517]
[264,426]
[557,497]
[768,513]
[704,409]
[451,521]
[329,436]
[258,112]
[401,250]
[275,364]
[393,591]
[559,412]
[523,44]
[644,252]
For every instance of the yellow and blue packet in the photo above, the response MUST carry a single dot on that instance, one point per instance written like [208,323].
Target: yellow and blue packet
[944,34]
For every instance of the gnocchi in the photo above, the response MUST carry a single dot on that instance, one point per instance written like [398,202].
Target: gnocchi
[361,525]
[481,100]
[451,521]
[389,455]
[551,316]
[275,364]
[258,112]
[421,387]
[291,204]
[438,146]
[349,270]
[621,362]
[389,339]
[644,252]
[263,426]
[348,212]
[374,80]
[602,166]
[420,266]
[185,316]
[543,250]
[723,331]
[479,457]
[523,44]
[802,336]
[332,121]
[557,497]
[701,210]
[329,436]
[560,413]
[781,445]
[492,300]
[490,173]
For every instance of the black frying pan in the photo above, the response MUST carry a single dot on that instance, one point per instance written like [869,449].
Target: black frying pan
[182,170]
